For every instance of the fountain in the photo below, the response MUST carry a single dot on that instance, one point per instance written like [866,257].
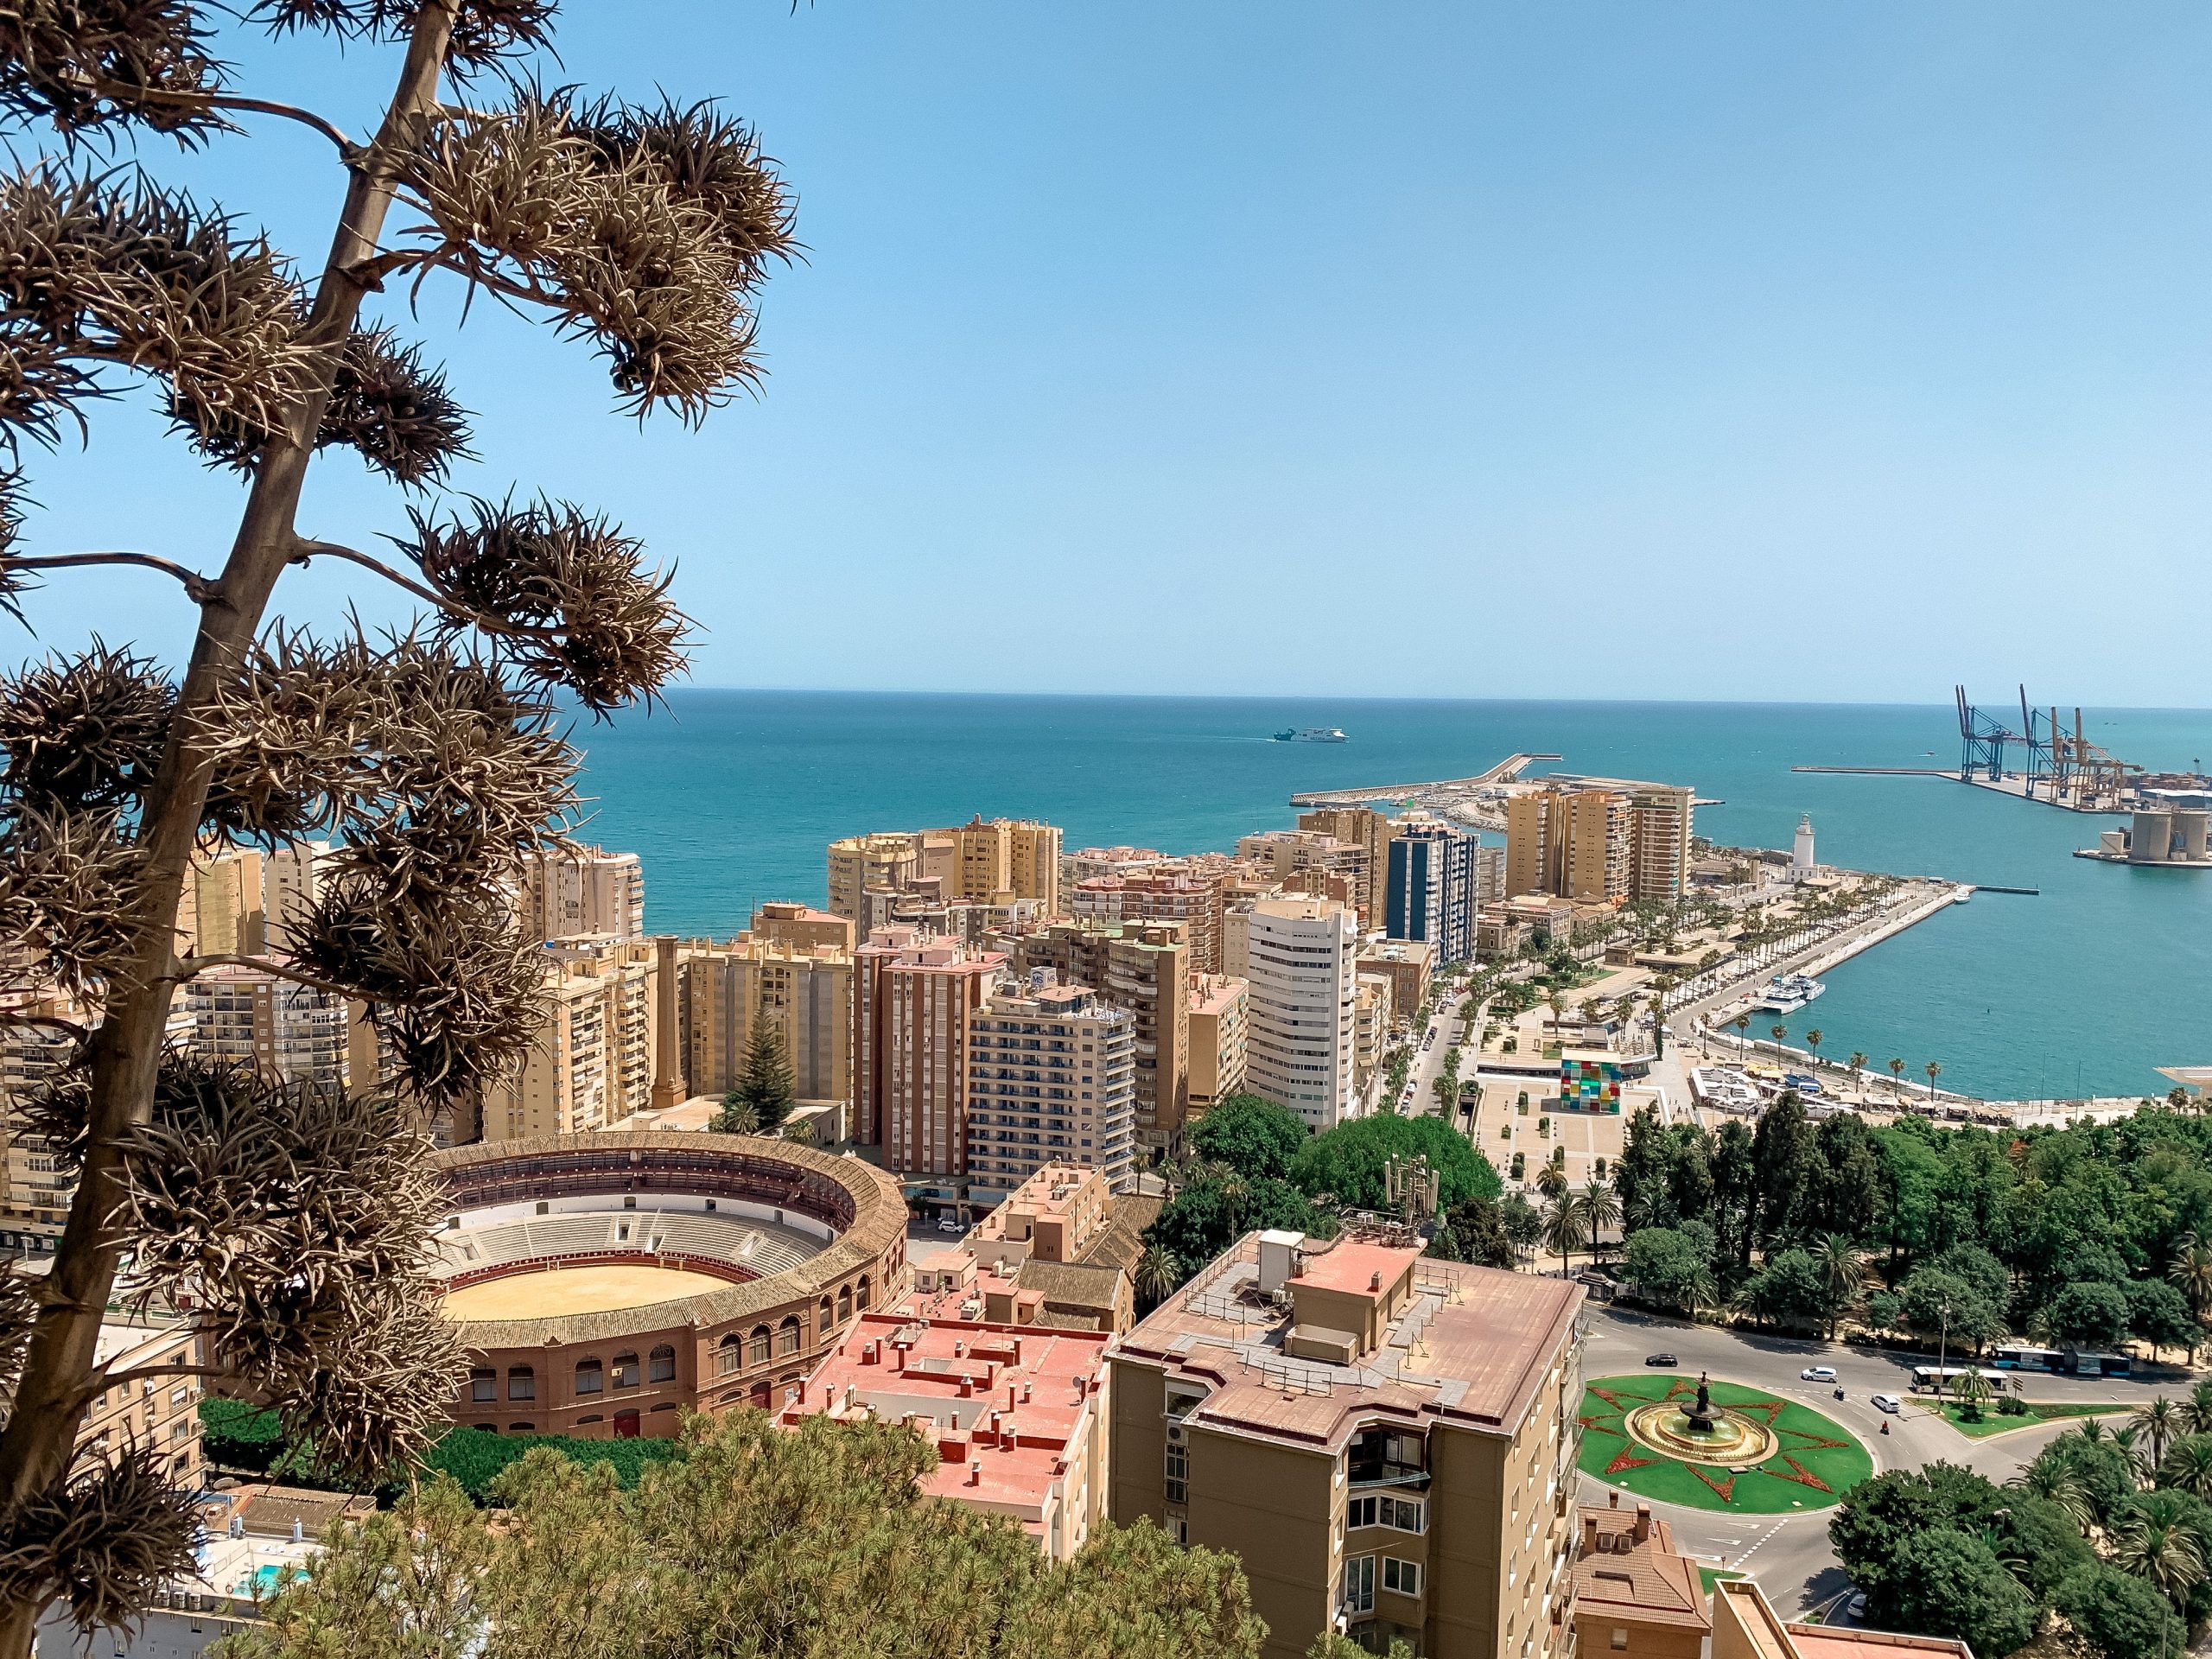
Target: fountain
[1702,1431]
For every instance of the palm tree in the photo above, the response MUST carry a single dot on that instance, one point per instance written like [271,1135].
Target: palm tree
[2191,1272]
[1972,1391]
[2195,1412]
[1557,1004]
[2091,1429]
[1812,1044]
[2057,1484]
[1551,1180]
[1857,1062]
[1157,1274]
[1235,1195]
[1743,1025]
[1897,1068]
[1563,1229]
[1837,1261]
[1934,1071]
[803,1133]
[1601,1208]
[2187,1466]
[737,1116]
[1778,1032]
[2160,1550]
[2160,1421]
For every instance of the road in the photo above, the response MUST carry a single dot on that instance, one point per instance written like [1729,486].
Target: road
[1790,1557]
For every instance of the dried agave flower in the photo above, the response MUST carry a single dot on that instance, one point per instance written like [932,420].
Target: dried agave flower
[104,1540]
[81,732]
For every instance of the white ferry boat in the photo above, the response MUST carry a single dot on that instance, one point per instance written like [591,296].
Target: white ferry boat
[1787,993]
[1313,734]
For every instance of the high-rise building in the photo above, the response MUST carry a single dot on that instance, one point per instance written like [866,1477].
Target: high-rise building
[1051,1080]
[249,1017]
[862,864]
[223,910]
[1218,1015]
[1599,841]
[1007,859]
[1186,893]
[292,878]
[1363,827]
[1429,894]
[915,1000]
[597,1055]
[1287,855]
[1257,1410]
[590,894]
[1301,956]
[1141,969]
[806,988]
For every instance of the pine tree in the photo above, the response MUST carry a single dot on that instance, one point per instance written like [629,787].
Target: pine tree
[764,1082]
[297,1221]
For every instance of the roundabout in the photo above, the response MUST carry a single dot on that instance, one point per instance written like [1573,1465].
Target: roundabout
[1718,1446]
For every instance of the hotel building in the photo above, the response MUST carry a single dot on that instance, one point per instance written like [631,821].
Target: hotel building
[1301,958]
[1388,1442]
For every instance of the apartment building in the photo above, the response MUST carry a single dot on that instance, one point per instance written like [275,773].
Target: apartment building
[588,893]
[1006,859]
[162,1412]
[1219,1014]
[1143,970]
[863,864]
[223,910]
[1635,1594]
[1274,1406]
[1052,1077]
[1001,862]
[1301,958]
[1060,1251]
[292,880]
[1183,892]
[247,1016]
[1371,1026]
[1429,890]
[1362,827]
[1018,1415]
[915,1000]
[1407,965]
[1297,857]
[596,1057]
[795,963]
[1599,841]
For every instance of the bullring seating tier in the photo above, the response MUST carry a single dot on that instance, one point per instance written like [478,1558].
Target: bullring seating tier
[758,1248]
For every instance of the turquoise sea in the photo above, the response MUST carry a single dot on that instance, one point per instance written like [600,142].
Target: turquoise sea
[731,797]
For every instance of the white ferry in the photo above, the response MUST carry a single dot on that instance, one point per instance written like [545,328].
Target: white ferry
[1313,734]
[1787,993]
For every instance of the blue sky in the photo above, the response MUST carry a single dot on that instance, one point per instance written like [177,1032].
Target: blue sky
[1703,350]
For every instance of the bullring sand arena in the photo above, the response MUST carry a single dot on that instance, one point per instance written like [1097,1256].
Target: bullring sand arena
[587,1289]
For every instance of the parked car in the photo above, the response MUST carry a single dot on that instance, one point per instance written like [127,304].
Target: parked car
[1661,1359]
[949,1225]
[1888,1402]
[1817,1373]
[1857,1608]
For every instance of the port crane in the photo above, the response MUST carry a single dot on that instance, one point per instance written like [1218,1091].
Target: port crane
[2070,768]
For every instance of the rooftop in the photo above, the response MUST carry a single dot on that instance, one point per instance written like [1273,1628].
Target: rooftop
[1469,1346]
[1617,1573]
[1739,1603]
[1001,1403]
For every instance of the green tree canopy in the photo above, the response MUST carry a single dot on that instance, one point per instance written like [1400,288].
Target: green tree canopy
[1251,1136]
[2119,1617]
[760,1541]
[2094,1315]
[1348,1160]
[1210,1214]
[1668,1268]
[1475,1232]
[1952,1583]
[764,1089]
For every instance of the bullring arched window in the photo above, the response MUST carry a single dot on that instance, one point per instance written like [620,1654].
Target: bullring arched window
[844,1303]
[590,1378]
[860,1294]
[625,1371]
[660,1364]
[828,1318]
[787,1336]
[730,1355]
[756,1346]
[522,1382]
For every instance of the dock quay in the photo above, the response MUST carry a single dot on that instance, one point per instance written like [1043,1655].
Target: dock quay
[1505,772]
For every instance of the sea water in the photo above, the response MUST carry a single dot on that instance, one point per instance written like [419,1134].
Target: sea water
[731,797]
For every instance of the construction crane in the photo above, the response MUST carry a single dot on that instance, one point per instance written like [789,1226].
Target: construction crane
[1982,738]
[2065,766]
[2082,775]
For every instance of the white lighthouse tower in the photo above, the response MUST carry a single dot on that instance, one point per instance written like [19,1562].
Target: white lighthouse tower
[1800,850]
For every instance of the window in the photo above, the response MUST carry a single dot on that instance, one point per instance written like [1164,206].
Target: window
[1179,1468]
[860,1293]
[828,1319]
[729,1356]
[590,1378]
[844,1303]
[1620,1638]
[756,1346]
[1359,1585]
[787,1336]
[1404,1514]
[522,1428]
[483,1385]
[594,1418]
[660,1364]
[522,1385]
[625,1371]
[1403,1577]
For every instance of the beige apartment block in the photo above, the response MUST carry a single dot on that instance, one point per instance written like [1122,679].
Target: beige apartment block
[1182,890]
[1302,859]
[806,989]
[223,909]
[1409,964]
[1388,1442]
[1143,970]
[588,893]
[161,1412]
[1051,1080]
[1371,1023]
[1007,859]
[1218,1016]
[915,1000]
[594,1061]
[1596,850]
[249,1017]
[1598,841]
[1362,827]
[862,864]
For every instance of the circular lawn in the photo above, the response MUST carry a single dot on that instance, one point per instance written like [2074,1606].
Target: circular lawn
[1814,1462]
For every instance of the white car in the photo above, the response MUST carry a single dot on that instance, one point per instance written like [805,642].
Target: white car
[1888,1402]
[1817,1373]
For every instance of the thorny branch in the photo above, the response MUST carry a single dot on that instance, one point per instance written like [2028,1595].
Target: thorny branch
[193,967]
[197,588]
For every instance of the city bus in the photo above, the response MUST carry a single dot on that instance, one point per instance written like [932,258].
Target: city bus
[2029,1359]
[1937,1379]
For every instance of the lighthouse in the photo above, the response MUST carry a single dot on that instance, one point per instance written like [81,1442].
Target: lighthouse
[1800,850]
